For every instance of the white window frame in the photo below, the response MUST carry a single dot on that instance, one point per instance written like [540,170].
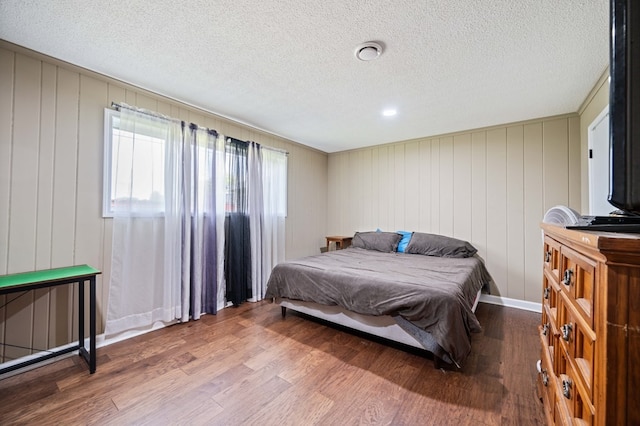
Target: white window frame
[110,117]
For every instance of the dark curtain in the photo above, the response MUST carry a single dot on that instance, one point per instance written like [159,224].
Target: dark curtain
[237,247]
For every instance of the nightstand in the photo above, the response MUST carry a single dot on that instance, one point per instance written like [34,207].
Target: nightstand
[341,242]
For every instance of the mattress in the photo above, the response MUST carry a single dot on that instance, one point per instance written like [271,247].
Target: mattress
[430,293]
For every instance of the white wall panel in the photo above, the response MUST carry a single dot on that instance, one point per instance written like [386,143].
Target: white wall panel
[533,193]
[445,202]
[412,185]
[479,209]
[461,189]
[23,198]
[515,211]
[496,209]
[7,65]
[555,152]
[424,196]
[434,181]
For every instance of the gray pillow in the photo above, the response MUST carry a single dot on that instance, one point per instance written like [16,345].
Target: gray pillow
[381,241]
[439,245]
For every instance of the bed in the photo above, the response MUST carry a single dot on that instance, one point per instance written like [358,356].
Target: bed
[422,293]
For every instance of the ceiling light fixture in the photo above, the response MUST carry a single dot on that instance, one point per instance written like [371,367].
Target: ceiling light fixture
[389,112]
[368,51]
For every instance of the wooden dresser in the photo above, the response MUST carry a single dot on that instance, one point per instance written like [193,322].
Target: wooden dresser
[589,371]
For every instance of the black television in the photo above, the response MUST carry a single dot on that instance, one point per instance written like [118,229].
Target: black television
[624,106]
[624,122]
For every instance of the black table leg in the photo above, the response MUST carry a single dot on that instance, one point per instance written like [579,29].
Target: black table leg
[81,314]
[92,324]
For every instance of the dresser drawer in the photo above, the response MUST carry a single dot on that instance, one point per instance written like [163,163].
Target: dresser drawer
[547,381]
[550,294]
[578,340]
[578,278]
[551,256]
[547,327]
[578,403]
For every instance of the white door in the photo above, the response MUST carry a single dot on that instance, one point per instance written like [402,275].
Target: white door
[599,165]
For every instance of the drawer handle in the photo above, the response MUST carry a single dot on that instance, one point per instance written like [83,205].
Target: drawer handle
[547,291]
[545,329]
[545,378]
[547,257]
[566,331]
[566,388]
[567,277]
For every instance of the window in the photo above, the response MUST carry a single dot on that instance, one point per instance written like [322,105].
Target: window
[134,172]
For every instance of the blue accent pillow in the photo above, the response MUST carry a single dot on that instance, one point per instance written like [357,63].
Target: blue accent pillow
[404,242]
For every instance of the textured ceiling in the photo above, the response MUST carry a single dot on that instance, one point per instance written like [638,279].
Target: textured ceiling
[288,66]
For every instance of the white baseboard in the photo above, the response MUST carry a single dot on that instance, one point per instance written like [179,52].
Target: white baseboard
[511,303]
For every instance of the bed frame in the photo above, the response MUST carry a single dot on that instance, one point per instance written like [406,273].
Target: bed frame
[383,326]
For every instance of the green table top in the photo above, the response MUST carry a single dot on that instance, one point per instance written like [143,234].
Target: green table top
[47,275]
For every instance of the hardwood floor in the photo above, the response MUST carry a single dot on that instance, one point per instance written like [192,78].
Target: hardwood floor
[248,366]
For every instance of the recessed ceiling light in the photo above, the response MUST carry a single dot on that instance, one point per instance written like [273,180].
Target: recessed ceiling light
[368,51]
[389,112]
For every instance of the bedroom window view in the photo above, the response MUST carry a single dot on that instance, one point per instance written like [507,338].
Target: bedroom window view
[134,168]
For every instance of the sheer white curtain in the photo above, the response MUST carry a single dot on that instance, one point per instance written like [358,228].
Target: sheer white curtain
[274,193]
[199,244]
[256,213]
[220,185]
[146,246]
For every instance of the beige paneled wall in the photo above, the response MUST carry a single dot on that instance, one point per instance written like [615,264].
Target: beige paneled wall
[51,153]
[488,186]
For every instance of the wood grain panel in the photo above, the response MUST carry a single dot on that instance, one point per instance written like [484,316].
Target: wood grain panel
[23,203]
[446,163]
[497,260]
[574,153]
[556,163]
[366,187]
[515,212]
[434,181]
[7,64]
[479,192]
[43,247]
[24,179]
[533,210]
[413,185]
[46,165]
[399,196]
[88,248]
[384,189]
[462,177]
[64,201]
[425,186]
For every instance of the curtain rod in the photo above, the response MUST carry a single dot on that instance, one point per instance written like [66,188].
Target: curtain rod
[118,106]
[283,151]
[154,114]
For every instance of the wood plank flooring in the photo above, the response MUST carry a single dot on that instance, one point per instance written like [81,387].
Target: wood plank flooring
[248,366]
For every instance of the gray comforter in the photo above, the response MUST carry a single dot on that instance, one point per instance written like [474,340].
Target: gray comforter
[434,293]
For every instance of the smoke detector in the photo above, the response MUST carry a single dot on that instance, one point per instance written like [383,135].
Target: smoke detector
[368,51]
